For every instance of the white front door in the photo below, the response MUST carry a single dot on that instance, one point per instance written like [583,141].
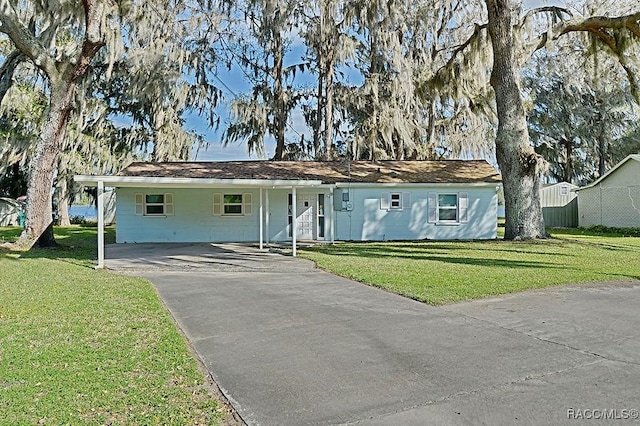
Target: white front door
[306,216]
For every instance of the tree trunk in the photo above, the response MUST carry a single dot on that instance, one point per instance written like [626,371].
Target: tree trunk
[63,198]
[568,165]
[328,108]
[280,115]
[518,162]
[317,125]
[39,214]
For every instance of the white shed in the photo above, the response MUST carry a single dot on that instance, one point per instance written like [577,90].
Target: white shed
[559,205]
[614,199]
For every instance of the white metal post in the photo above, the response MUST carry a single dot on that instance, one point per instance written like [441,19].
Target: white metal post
[261,217]
[268,214]
[332,216]
[294,220]
[100,225]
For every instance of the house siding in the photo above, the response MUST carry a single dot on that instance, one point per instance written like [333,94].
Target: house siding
[193,219]
[615,201]
[369,222]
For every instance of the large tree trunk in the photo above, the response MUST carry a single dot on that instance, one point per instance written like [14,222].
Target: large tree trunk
[39,214]
[63,78]
[518,162]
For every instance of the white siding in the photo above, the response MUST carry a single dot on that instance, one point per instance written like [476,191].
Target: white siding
[557,195]
[193,218]
[614,202]
[368,221]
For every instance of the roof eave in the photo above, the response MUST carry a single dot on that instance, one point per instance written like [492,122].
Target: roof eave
[166,182]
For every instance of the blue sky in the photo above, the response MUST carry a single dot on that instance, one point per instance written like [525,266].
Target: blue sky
[235,81]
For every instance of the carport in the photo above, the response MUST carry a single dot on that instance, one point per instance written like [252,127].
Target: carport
[263,185]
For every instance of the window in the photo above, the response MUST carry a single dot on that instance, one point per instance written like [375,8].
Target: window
[154,204]
[448,208]
[395,201]
[232,204]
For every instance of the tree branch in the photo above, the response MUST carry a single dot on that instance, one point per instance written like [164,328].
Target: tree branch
[26,42]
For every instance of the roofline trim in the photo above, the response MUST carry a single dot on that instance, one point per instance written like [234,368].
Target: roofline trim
[138,181]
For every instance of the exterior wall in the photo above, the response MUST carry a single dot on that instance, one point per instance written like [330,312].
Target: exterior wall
[557,195]
[193,219]
[368,221]
[614,202]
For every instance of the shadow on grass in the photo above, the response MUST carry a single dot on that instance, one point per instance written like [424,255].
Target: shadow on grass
[75,244]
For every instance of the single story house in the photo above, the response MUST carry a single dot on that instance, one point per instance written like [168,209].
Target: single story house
[614,199]
[559,205]
[280,201]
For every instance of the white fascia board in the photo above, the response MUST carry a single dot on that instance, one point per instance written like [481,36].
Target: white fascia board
[164,182]
[417,185]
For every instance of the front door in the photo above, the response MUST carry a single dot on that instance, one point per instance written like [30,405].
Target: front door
[306,216]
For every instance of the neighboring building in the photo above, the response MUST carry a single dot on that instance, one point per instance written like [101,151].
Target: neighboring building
[559,205]
[266,200]
[10,210]
[614,199]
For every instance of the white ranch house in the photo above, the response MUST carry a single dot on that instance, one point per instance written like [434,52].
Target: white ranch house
[290,201]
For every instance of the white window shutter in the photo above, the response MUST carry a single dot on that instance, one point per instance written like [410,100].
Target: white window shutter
[406,201]
[384,201]
[217,204]
[247,208]
[139,204]
[463,202]
[432,207]
[168,204]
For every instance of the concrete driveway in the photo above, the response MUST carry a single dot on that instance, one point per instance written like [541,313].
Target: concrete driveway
[292,345]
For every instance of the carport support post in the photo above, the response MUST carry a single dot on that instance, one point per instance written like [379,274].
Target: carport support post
[332,216]
[261,218]
[294,220]
[100,225]
[268,213]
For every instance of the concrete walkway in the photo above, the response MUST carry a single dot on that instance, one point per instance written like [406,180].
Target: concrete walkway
[291,345]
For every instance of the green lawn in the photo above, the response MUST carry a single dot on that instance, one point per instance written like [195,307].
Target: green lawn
[80,346]
[443,272]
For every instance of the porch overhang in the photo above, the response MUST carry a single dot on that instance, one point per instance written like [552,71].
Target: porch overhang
[172,182]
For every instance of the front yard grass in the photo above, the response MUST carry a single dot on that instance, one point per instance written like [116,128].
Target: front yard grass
[79,346]
[444,272]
